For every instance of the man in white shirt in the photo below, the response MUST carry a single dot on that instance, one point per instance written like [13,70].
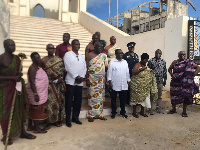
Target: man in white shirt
[76,70]
[119,78]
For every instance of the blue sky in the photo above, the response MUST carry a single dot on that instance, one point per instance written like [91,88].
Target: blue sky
[100,8]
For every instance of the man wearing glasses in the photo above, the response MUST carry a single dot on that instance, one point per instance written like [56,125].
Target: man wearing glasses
[54,68]
[182,85]
[76,71]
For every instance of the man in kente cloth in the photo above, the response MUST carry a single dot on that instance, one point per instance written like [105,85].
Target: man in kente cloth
[54,68]
[182,86]
[64,47]
[37,88]
[97,63]
[9,76]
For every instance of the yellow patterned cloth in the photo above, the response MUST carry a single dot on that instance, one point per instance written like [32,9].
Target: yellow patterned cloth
[111,52]
[96,91]
[54,68]
[143,85]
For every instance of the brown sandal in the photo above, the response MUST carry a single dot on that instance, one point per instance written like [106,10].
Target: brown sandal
[171,112]
[102,118]
[90,119]
[42,131]
[135,115]
[10,142]
[144,115]
[58,124]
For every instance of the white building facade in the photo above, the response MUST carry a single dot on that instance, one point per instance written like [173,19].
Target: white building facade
[63,10]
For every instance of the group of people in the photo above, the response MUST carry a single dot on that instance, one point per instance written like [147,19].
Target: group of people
[55,84]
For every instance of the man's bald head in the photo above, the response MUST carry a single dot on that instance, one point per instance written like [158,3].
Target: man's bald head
[9,45]
[95,38]
[181,52]
[98,47]
[49,46]
[98,33]
[6,42]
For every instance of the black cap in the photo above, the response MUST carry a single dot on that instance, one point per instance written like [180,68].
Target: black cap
[131,44]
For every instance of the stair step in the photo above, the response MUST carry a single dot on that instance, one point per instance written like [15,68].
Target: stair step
[36,32]
[45,40]
[42,53]
[32,18]
[33,34]
[45,27]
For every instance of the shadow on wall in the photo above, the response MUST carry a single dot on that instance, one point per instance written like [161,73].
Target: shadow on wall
[39,11]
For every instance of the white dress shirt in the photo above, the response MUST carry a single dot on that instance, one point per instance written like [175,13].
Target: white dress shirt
[75,65]
[118,74]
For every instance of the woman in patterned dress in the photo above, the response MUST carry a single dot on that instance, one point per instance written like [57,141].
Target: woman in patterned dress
[143,85]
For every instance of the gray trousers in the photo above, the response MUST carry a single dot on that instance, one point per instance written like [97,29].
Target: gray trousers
[159,100]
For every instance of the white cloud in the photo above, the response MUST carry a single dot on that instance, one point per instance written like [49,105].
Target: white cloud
[96,3]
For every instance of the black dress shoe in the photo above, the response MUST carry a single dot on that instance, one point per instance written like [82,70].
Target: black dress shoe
[68,124]
[77,121]
[113,116]
[124,116]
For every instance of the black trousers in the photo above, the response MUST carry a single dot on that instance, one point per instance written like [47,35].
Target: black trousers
[128,97]
[122,98]
[76,93]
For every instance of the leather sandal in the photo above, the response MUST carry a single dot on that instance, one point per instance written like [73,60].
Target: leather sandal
[90,119]
[135,115]
[171,112]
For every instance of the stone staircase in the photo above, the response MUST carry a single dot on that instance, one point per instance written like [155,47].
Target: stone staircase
[32,34]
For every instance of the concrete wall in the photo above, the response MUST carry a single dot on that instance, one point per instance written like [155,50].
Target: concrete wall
[176,9]
[146,42]
[171,39]
[93,24]
[4,24]
[176,35]
[63,10]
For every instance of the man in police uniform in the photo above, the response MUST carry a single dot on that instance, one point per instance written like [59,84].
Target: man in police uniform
[132,59]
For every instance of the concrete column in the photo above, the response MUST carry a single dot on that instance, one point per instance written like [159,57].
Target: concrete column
[60,9]
[65,6]
[83,5]
[27,7]
[1,40]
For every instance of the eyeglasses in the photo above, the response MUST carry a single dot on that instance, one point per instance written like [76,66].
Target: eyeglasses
[77,57]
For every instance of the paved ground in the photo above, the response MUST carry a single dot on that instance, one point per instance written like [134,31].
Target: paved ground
[157,132]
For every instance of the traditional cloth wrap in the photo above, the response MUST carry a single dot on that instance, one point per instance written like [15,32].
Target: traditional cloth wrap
[96,91]
[143,85]
[7,89]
